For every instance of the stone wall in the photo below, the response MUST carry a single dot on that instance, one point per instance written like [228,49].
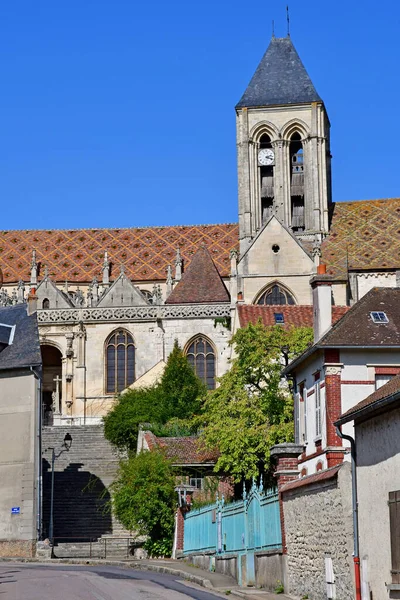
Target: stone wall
[318,522]
[17,548]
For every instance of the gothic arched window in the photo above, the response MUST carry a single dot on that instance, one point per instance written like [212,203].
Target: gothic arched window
[266,163]
[276,295]
[201,357]
[148,295]
[120,361]
[297,182]
[46,303]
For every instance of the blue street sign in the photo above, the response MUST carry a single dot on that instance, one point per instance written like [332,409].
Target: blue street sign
[15,510]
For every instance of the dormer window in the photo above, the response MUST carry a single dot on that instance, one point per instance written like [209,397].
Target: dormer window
[379,317]
[6,335]
[279,318]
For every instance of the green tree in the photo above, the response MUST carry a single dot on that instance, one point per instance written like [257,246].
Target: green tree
[181,388]
[176,397]
[144,500]
[252,409]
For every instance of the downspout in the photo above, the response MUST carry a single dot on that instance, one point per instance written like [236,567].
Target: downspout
[37,376]
[356,557]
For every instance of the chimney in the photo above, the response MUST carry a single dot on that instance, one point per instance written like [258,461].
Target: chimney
[32,302]
[321,285]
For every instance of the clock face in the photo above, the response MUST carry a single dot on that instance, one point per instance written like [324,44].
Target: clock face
[266,157]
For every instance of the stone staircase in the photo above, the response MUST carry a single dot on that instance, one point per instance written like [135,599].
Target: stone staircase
[83,523]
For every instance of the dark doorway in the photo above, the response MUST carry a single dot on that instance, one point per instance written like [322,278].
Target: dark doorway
[51,387]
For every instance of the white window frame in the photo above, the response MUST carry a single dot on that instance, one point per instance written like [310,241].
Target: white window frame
[318,416]
[305,435]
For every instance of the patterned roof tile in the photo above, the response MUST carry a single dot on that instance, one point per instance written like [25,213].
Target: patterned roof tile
[296,316]
[364,235]
[77,254]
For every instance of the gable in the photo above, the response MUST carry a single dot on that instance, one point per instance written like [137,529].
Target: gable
[275,252]
[48,290]
[122,293]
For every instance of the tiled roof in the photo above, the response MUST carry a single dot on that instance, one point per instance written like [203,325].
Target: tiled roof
[363,235]
[25,348]
[357,327]
[390,388]
[280,78]
[181,450]
[297,316]
[77,254]
[200,282]
[309,479]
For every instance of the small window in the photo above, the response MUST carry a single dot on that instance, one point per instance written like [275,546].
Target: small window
[381,380]
[196,482]
[379,317]
[279,318]
[46,303]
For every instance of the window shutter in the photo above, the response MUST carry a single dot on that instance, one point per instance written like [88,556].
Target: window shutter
[394,513]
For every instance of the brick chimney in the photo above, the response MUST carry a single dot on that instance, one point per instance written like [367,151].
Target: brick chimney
[321,285]
[32,302]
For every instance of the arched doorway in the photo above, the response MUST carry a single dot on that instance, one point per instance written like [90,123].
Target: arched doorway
[51,386]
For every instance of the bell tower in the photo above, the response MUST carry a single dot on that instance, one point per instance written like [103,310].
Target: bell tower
[283,148]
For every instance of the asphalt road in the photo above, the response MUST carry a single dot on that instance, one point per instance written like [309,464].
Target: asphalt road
[69,582]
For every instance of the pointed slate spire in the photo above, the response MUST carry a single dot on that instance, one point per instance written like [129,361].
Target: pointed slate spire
[280,78]
[200,283]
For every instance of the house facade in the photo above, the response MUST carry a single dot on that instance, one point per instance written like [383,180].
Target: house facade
[20,423]
[376,421]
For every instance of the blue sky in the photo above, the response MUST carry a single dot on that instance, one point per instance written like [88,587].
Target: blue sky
[121,113]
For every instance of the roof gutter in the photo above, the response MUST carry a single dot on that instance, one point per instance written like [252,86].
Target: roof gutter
[297,361]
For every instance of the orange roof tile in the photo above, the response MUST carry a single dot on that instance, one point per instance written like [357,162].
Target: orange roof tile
[77,254]
[297,316]
[363,235]
[182,450]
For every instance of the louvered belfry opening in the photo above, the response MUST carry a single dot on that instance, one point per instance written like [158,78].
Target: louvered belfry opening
[297,182]
[266,182]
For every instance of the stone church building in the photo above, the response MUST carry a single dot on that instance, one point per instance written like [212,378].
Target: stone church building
[111,302]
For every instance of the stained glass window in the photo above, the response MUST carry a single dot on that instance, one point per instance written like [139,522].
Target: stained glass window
[120,361]
[201,357]
[276,295]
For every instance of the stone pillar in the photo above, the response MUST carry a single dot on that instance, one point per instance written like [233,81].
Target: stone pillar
[333,406]
[287,469]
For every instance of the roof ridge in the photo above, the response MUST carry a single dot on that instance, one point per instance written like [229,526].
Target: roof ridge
[118,228]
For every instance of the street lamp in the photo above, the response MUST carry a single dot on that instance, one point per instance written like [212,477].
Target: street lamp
[67,445]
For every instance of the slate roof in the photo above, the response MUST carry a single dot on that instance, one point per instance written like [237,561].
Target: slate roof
[200,283]
[78,254]
[182,450]
[374,400]
[364,235]
[25,348]
[296,316]
[280,78]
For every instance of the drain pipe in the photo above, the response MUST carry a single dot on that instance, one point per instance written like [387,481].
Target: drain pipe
[356,557]
[38,452]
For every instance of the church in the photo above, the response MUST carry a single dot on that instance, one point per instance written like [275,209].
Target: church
[111,302]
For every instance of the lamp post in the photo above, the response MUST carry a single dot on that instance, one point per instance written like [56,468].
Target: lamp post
[67,445]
